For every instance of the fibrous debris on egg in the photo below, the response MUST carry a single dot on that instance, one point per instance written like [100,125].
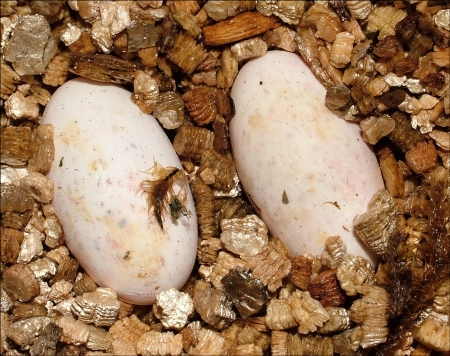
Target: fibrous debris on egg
[163,195]
[385,66]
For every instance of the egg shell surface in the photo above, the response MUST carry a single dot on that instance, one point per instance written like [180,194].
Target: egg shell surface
[306,171]
[103,146]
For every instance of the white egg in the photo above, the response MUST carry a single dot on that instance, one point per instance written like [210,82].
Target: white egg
[103,147]
[306,171]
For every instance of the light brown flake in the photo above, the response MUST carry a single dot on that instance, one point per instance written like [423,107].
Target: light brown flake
[204,200]
[20,283]
[19,106]
[201,104]
[326,289]
[219,10]
[279,315]
[38,186]
[9,80]
[341,49]
[146,92]
[228,70]
[354,272]
[384,19]
[217,170]
[31,46]
[422,157]
[173,308]
[247,49]
[224,264]
[170,110]
[376,127]
[244,236]
[214,308]
[191,141]
[187,53]
[211,343]
[308,312]
[99,307]
[301,269]
[270,265]
[381,222]
[129,329]
[239,27]
[289,12]
[371,311]
[338,322]
[103,67]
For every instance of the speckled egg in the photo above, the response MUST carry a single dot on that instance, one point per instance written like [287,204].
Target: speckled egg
[129,222]
[306,171]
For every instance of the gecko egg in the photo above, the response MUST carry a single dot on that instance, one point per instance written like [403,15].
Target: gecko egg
[120,192]
[306,171]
